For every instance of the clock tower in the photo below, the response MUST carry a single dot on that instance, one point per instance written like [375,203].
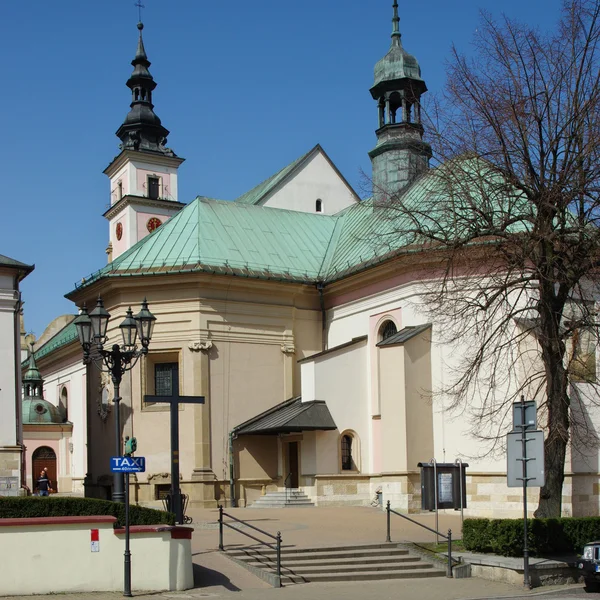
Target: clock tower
[143,177]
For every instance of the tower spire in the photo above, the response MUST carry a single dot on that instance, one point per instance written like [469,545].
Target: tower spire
[142,129]
[396,35]
[400,154]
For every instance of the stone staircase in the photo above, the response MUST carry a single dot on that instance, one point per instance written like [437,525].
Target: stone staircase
[343,563]
[293,497]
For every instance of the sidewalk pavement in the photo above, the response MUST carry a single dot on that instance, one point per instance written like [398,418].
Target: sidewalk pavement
[218,577]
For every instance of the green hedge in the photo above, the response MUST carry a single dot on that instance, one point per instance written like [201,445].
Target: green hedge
[545,536]
[21,508]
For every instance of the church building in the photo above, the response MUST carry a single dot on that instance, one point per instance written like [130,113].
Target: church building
[292,310]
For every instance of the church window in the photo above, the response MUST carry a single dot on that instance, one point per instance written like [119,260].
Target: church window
[387,330]
[119,189]
[153,187]
[319,205]
[160,377]
[166,379]
[582,364]
[348,451]
[64,403]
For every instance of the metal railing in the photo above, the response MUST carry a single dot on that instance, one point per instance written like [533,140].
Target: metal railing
[277,538]
[286,486]
[448,537]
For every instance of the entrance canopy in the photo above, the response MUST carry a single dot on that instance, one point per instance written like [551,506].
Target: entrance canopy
[291,416]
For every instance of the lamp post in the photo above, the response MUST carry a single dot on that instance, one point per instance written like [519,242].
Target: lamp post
[91,329]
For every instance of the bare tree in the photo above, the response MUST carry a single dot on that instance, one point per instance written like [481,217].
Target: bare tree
[509,219]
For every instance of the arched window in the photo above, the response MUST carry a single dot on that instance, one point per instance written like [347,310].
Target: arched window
[348,451]
[319,205]
[387,330]
[64,403]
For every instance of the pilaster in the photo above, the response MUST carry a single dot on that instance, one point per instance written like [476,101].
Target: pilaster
[200,357]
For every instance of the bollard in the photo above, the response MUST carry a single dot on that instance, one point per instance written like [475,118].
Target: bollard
[449,574]
[389,525]
[220,527]
[279,556]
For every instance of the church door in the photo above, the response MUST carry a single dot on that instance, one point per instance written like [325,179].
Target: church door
[44,457]
[293,464]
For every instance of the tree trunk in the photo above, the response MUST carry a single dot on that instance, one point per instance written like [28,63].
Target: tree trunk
[557,434]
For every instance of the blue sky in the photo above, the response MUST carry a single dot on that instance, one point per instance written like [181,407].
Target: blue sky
[245,87]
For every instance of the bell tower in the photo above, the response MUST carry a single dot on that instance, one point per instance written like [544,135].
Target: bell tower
[143,177]
[400,154]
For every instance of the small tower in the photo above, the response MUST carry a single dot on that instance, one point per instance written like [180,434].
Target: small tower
[35,408]
[400,154]
[143,177]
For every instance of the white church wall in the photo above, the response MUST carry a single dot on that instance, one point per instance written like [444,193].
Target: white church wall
[341,380]
[72,463]
[318,180]
[8,389]
[452,432]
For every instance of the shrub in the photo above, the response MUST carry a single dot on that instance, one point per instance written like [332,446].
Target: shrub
[545,536]
[21,508]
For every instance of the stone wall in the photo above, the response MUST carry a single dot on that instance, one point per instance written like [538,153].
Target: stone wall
[10,471]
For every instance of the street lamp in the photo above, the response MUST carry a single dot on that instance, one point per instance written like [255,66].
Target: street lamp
[91,329]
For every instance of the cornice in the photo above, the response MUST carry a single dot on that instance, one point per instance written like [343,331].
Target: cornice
[130,200]
[135,156]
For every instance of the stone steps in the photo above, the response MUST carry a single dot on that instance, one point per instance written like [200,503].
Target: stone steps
[337,563]
[281,499]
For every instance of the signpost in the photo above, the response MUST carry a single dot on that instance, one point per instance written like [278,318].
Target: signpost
[174,402]
[524,445]
[127,464]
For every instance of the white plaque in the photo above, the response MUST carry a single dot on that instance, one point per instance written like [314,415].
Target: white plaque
[445,488]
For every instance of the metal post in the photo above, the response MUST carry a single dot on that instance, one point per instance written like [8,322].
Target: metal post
[524,462]
[389,525]
[127,577]
[220,527]
[435,491]
[175,491]
[449,572]
[460,474]
[279,556]
[118,493]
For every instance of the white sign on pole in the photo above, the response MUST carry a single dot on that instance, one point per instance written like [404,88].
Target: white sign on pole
[535,459]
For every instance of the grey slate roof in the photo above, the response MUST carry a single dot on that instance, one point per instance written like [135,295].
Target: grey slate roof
[289,417]
[6,261]
[404,335]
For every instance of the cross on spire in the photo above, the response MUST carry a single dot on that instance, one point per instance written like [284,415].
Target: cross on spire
[139,6]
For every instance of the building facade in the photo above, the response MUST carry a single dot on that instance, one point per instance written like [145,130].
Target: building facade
[296,311]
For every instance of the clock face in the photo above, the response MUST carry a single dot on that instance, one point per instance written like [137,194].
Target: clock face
[119,231]
[153,223]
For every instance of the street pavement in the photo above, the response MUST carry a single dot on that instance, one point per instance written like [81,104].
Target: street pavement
[217,577]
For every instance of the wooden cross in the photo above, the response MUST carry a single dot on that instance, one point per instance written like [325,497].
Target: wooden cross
[174,401]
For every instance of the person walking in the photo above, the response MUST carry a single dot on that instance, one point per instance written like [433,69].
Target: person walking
[43,484]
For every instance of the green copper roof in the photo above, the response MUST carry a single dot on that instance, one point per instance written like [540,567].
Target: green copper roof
[397,63]
[33,373]
[63,337]
[38,411]
[230,238]
[257,194]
